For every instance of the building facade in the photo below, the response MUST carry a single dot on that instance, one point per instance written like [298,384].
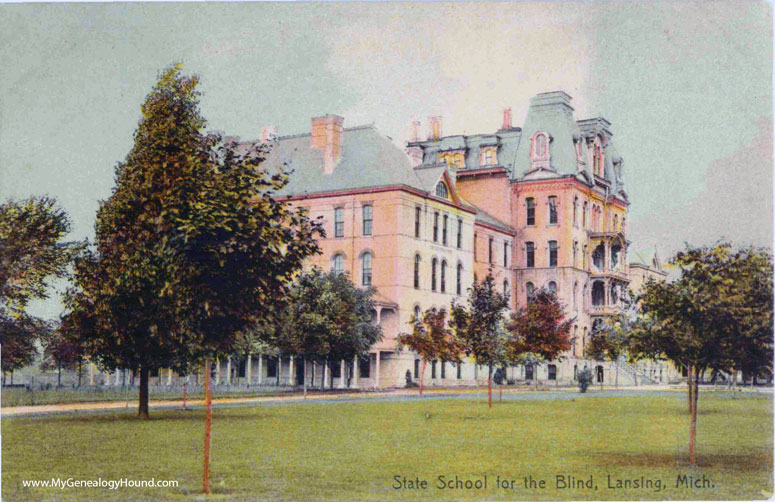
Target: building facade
[538,206]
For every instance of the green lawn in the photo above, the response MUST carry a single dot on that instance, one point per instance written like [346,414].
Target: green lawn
[352,451]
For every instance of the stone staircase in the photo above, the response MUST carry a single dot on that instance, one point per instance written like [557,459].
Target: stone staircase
[633,371]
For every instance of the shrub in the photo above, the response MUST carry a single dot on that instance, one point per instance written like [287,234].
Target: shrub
[585,378]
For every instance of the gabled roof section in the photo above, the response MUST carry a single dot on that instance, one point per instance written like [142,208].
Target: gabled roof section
[429,176]
[368,160]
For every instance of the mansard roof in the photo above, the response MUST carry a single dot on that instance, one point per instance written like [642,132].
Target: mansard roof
[549,112]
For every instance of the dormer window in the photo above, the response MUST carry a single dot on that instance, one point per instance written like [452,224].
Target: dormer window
[489,157]
[441,190]
[539,150]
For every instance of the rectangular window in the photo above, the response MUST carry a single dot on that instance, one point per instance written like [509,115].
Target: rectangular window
[552,372]
[552,253]
[529,372]
[416,369]
[459,370]
[367,220]
[433,369]
[530,255]
[459,233]
[531,211]
[489,251]
[417,212]
[339,222]
[435,227]
[271,367]
[444,231]
[474,246]
[505,254]
[443,369]
[364,367]
[336,370]
[553,210]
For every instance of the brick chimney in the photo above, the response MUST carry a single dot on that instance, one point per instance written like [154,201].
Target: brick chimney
[414,128]
[506,119]
[268,133]
[434,127]
[327,135]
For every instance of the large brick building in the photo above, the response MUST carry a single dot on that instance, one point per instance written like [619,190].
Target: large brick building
[541,206]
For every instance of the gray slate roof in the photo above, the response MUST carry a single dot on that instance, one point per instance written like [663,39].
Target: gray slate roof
[368,160]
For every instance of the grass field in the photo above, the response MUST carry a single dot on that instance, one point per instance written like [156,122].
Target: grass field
[352,451]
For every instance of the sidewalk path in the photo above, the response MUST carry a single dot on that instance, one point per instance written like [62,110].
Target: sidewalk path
[511,394]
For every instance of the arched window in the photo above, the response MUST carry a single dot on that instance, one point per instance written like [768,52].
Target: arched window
[337,265]
[444,276]
[459,279]
[540,146]
[366,268]
[614,295]
[441,190]
[530,211]
[584,211]
[489,251]
[434,264]
[417,271]
[444,230]
[552,287]
[575,252]
[506,288]
[436,227]
[598,256]
[368,219]
[598,294]
[417,314]
[366,259]
[529,291]
[530,255]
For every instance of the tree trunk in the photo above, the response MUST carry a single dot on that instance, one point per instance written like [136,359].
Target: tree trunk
[142,410]
[208,423]
[59,375]
[422,373]
[690,388]
[693,426]
[489,386]
[185,385]
[304,373]
[500,393]
[616,383]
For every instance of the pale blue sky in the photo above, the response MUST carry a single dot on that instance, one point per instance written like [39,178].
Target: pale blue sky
[687,87]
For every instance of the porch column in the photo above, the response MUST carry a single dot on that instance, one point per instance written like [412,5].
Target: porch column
[343,379]
[107,377]
[169,376]
[291,380]
[314,369]
[325,376]
[355,372]
[279,370]
[217,371]
[228,370]
[248,369]
[260,368]
[376,380]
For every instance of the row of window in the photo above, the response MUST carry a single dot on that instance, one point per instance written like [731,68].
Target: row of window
[443,275]
[337,266]
[490,245]
[530,254]
[529,370]
[595,223]
[437,217]
[367,214]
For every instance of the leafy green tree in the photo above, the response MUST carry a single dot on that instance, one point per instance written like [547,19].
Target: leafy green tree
[478,327]
[327,319]
[719,309]
[192,248]
[32,251]
[608,340]
[432,339]
[540,331]
[61,351]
